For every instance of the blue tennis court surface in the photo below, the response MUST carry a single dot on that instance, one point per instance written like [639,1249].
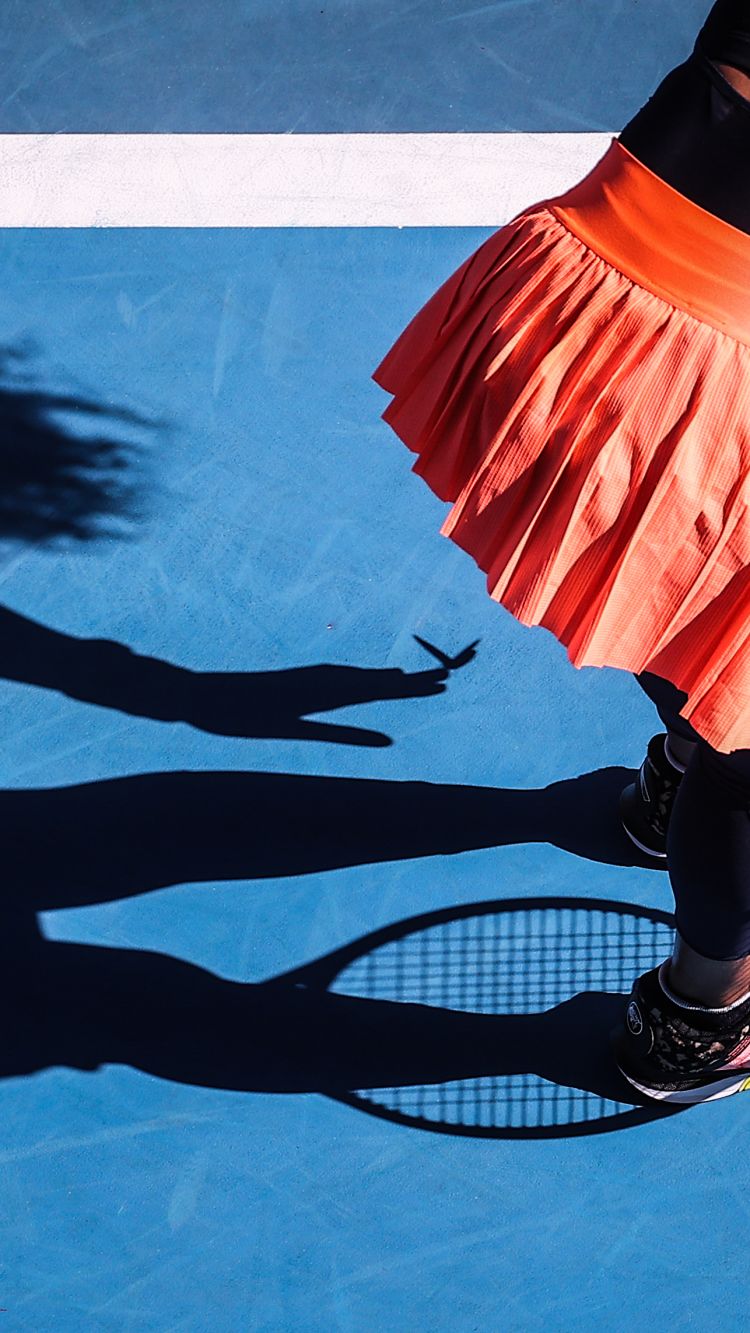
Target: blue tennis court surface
[274,770]
[252,66]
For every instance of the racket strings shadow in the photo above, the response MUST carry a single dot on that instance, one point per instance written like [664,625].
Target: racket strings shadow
[527,991]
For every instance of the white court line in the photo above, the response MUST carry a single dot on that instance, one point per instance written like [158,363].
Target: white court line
[284,180]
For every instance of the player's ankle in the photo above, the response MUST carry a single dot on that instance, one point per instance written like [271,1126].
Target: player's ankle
[678,751]
[709,983]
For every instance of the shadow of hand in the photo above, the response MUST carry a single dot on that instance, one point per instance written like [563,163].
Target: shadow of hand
[239,704]
[276,703]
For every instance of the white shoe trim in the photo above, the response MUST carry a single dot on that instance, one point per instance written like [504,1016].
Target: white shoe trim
[696,1008]
[739,1081]
[658,856]
[671,757]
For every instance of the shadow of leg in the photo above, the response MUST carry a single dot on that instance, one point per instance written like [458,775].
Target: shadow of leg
[102,841]
[84,1006]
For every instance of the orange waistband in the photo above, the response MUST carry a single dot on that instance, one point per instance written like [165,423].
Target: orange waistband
[662,241]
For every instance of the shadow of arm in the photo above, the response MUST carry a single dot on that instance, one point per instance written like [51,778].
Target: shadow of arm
[240,704]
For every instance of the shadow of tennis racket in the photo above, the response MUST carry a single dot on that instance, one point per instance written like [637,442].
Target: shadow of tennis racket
[492,1020]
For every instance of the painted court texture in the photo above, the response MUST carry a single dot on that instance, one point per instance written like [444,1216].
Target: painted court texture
[225,755]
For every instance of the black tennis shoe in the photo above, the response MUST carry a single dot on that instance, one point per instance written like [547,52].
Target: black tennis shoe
[675,1052]
[645,806]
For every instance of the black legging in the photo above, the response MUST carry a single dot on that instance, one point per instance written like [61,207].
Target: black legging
[708,845]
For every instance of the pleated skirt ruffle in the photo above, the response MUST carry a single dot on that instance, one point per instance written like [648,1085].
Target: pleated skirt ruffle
[593,439]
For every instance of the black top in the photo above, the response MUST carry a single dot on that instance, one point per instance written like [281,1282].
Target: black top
[695,130]
[725,36]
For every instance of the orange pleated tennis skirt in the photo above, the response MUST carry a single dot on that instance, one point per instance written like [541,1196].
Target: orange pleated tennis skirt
[579,391]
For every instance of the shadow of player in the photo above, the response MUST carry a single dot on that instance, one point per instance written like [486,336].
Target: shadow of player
[63,478]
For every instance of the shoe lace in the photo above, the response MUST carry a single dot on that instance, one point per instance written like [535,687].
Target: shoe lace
[679,1047]
[665,801]
[665,791]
